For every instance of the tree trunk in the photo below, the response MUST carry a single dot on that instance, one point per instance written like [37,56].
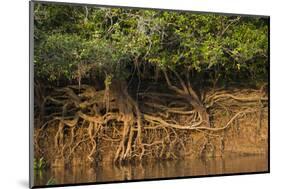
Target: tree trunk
[131,116]
[192,98]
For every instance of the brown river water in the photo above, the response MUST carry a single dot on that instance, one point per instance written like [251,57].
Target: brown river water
[153,170]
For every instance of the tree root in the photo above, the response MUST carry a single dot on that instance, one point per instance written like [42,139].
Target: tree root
[158,126]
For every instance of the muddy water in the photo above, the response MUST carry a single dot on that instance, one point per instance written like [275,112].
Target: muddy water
[160,169]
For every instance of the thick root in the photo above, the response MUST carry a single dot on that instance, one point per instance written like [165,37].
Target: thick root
[158,126]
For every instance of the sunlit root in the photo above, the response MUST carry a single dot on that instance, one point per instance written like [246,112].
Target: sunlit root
[159,125]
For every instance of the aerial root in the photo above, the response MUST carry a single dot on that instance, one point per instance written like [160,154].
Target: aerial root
[157,127]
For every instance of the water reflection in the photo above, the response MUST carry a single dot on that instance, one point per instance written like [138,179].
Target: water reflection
[160,169]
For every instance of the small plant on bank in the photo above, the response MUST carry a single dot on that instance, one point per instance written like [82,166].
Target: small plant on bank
[39,164]
[51,181]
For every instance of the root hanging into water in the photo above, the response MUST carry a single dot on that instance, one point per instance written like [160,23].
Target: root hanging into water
[159,125]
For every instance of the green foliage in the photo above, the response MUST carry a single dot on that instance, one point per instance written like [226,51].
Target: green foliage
[73,41]
[39,164]
[51,181]
[108,80]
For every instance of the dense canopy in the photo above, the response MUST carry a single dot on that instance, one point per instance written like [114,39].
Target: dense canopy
[71,42]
